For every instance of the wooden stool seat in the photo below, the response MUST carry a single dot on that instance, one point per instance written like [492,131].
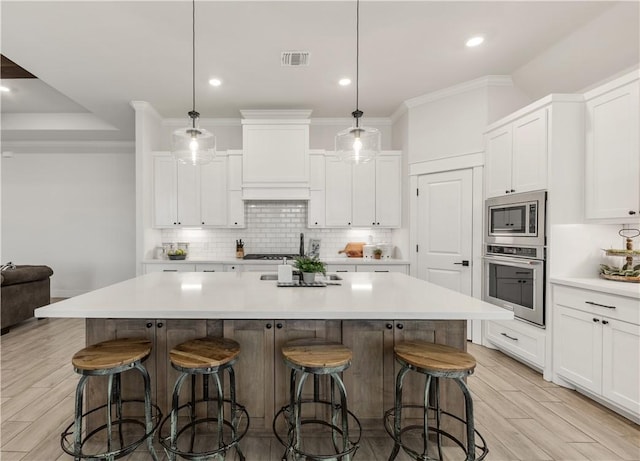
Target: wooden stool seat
[204,353]
[316,353]
[434,357]
[111,354]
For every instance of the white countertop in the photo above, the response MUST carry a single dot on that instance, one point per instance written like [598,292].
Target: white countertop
[242,295]
[595,283]
[336,261]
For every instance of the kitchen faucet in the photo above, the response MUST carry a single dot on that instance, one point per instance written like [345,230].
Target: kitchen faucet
[301,244]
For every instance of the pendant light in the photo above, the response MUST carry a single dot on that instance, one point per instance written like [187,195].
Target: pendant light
[193,145]
[357,144]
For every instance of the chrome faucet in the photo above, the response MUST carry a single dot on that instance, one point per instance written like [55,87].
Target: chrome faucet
[301,244]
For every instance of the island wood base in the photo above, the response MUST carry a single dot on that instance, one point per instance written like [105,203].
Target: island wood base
[262,379]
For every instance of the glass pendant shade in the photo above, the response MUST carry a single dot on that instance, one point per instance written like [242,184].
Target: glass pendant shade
[193,145]
[358,144]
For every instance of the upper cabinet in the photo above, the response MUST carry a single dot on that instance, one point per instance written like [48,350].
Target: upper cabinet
[364,195]
[612,169]
[516,155]
[316,206]
[275,156]
[187,195]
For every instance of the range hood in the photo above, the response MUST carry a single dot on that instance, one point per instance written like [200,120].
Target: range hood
[275,160]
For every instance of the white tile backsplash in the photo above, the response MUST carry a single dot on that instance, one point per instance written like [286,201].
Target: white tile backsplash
[272,227]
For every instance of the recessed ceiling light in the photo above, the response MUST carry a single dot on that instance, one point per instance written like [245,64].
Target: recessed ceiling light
[215,82]
[344,82]
[475,41]
[4,88]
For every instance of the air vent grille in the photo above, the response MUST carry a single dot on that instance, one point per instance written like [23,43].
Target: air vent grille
[294,58]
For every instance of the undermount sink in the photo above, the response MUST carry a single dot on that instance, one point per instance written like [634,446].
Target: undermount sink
[295,277]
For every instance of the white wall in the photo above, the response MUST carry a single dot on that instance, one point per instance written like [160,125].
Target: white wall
[72,212]
[400,138]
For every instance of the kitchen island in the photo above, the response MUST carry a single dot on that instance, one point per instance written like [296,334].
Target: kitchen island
[368,312]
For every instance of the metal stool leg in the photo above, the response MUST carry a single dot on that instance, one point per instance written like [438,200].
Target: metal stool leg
[174,414]
[468,403]
[234,410]
[344,411]
[398,412]
[425,418]
[77,425]
[297,414]
[147,410]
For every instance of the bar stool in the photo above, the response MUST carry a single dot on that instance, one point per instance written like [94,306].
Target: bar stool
[435,361]
[112,358]
[317,357]
[208,357]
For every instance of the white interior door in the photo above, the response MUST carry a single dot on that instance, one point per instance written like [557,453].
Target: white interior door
[445,234]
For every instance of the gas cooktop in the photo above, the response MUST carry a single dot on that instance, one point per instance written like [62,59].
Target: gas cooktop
[271,256]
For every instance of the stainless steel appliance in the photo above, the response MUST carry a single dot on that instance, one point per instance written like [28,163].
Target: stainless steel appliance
[270,256]
[514,278]
[516,219]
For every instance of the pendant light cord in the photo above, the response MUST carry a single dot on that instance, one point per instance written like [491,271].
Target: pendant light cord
[357,114]
[193,60]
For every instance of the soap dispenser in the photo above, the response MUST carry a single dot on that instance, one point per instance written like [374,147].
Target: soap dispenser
[285,272]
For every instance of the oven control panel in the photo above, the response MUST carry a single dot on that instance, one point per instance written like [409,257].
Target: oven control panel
[521,252]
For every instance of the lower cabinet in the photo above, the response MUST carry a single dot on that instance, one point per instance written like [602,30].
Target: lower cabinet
[262,378]
[519,339]
[165,335]
[597,345]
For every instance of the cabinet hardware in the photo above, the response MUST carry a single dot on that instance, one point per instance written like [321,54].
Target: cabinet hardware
[510,337]
[465,263]
[380,271]
[278,325]
[202,222]
[400,326]
[605,322]
[169,270]
[513,190]
[209,270]
[149,324]
[160,324]
[389,326]
[348,224]
[631,212]
[342,271]
[596,320]
[316,223]
[268,325]
[377,224]
[599,305]
[373,224]
[235,223]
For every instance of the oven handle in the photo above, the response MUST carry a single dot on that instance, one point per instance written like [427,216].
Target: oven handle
[513,261]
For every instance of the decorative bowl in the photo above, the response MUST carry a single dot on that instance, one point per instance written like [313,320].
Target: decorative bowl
[177,257]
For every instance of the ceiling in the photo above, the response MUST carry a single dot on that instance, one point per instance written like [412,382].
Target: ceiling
[93,57]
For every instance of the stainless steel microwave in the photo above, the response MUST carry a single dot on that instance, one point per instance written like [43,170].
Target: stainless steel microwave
[516,219]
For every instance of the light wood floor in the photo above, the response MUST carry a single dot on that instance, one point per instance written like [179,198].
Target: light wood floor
[522,416]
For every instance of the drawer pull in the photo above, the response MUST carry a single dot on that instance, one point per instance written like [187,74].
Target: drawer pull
[510,337]
[169,270]
[211,270]
[605,322]
[596,320]
[600,305]
[380,271]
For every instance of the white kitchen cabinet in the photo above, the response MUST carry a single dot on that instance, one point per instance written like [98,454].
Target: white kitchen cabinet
[275,161]
[518,339]
[612,169]
[516,155]
[597,345]
[169,267]
[340,268]
[209,267]
[235,204]
[233,267]
[188,195]
[401,268]
[316,206]
[364,195]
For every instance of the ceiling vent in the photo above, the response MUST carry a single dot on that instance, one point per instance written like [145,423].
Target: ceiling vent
[294,58]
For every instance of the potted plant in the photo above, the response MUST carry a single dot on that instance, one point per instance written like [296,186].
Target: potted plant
[309,268]
[377,253]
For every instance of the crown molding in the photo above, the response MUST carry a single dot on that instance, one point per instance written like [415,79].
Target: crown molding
[482,82]
[180,122]
[271,114]
[348,121]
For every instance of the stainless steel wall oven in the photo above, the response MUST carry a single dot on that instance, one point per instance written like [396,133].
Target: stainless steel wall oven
[515,253]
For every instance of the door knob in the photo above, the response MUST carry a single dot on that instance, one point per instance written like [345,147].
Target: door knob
[463,263]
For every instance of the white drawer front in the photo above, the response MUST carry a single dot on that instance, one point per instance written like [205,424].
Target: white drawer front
[209,268]
[513,337]
[341,268]
[148,268]
[595,302]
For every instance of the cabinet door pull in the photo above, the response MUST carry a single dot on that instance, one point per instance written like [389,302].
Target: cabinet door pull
[209,270]
[160,324]
[268,325]
[506,192]
[599,305]
[513,190]
[631,212]
[149,324]
[510,337]
[169,270]
[596,320]
[278,325]
[605,322]
[380,271]
[389,326]
[400,326]
[342,271]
